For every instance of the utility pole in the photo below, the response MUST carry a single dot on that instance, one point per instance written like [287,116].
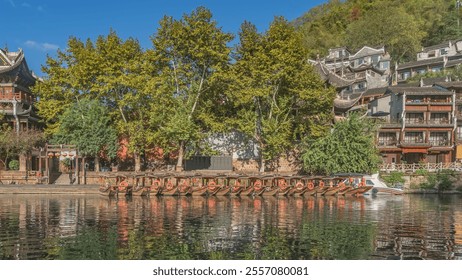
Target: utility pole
[458,4]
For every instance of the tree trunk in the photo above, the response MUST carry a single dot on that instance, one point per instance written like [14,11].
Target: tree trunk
[179,163]
[97,167]
[137,162]
[262,164]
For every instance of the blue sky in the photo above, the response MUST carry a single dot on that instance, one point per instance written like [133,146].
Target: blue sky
[40,27]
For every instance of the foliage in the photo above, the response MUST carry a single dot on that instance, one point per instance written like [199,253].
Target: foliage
[277,96]
[393,178]
[190,53]
[87,125]
[402,39]
[13,164]
[15,143]
[112,71]
[401,25]
[350,147]
[442,180]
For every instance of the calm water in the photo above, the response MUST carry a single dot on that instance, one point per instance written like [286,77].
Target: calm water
[93,227]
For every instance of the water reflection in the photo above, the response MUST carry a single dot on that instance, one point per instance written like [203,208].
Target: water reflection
[86,227]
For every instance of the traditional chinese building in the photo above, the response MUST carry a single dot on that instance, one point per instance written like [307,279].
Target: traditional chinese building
[16,98]
[419,124]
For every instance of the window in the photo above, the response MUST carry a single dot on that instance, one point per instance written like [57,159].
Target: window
[414,118]
[443,51]
[375,59]
[384,64]
[405,75]
[413,137]
[439,118]
[387,139]
[436,69]
[431,54]
[439,138]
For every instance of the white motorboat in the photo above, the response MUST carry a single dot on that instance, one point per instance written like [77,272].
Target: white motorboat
[379,187]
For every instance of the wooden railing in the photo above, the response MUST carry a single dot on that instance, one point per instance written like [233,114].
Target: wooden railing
[413,167]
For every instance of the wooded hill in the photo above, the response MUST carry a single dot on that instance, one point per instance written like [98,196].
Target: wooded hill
[402,26]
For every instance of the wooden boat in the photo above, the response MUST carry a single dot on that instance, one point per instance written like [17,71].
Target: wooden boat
[212,184]
[269,186]
[321,187]
[139,186]
[223,183]
[156,182]
[310,187]
[333,187]
[248,189]
[108,186]
[235,184]
[123,185]
[197,186]
[183,184]
[283,184]
[168,186]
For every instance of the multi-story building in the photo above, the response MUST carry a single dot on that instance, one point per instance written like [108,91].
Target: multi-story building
[431,59]
[368,68]
[16,98]
[419,124]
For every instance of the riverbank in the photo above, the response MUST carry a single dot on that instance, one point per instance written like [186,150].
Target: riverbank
[49,189]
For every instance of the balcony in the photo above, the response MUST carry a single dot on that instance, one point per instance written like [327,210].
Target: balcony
[387,143]
[439,143]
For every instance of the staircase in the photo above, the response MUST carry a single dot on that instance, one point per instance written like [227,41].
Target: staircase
[63,179]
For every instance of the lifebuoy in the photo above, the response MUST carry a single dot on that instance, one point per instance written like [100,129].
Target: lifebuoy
[123,185]
[310,185]
[169,185]
[156,183]
[257,184]
[212,185]
[321,184]
[299,185]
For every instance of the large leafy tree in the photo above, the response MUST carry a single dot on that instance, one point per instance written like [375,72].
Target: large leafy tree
[87,125]
[113,71]
[278,97]
[350,147]
[189,53]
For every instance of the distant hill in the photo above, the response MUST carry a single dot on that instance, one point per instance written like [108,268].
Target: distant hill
[402,26]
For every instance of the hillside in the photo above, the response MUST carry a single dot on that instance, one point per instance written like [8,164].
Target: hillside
[402,26]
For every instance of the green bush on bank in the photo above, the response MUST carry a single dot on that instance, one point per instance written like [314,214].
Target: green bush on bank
[442,180]
[13,165]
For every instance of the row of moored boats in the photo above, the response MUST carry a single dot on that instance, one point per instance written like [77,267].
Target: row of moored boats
[168,184]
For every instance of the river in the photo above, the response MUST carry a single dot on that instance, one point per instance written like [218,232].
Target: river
[170,228]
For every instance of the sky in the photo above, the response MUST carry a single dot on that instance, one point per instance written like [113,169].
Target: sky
[41,27]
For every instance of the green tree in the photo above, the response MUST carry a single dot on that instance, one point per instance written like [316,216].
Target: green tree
[190,52]
[113,71]
[87,125]
[387,26]
[350,147]
[278,97]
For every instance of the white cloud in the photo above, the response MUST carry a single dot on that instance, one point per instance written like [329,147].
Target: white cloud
[25,5]
[41,46]
[12,3]
[40,9]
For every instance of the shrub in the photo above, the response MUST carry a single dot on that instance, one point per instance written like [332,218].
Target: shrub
[13,165]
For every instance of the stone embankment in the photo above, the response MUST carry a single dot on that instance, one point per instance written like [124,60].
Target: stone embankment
[49,189]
